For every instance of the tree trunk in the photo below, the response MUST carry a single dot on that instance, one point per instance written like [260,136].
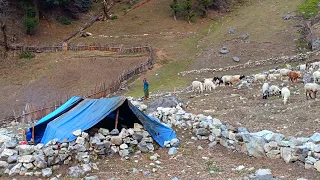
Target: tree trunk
[36,8]
[5,39]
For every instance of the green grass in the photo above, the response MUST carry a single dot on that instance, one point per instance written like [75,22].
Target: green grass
[309,8]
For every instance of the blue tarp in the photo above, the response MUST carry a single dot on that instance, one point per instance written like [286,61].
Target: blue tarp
[41,125]
[90,112]
[85,115]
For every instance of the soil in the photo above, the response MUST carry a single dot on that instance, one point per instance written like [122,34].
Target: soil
[48,78]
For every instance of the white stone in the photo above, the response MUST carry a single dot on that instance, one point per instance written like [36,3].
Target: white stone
[26,159]
[80,140]
[123,146]
[77,132]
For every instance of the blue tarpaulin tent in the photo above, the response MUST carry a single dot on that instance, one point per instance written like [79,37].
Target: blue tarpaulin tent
[89,113]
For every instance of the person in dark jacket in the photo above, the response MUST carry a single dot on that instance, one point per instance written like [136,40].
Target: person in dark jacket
[146,88]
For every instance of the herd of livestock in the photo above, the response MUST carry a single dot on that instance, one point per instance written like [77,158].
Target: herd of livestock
[308,73]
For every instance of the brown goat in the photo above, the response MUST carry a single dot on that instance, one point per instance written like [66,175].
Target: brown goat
[294,76]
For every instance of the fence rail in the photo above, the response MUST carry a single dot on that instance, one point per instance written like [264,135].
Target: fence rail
[33,112]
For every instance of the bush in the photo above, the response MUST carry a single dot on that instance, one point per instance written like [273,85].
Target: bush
[75,7]
[30,23]
[26,55]
[114,17]
[64,20]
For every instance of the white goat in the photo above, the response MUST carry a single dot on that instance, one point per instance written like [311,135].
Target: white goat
[316,76]
[209,85]
[260,77]
[197,85]
[285,92]
[311,88]
[274,76]
[265,90]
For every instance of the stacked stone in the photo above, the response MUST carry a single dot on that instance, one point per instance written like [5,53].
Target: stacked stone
[43,159]
[258,144]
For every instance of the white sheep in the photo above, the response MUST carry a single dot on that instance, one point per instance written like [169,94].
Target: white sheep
[265,90]
[284,72]
[285,92]
[274,76]
[302,67]
[260,77]
[206,82]
[274,90]
[197,85]
[311,88]
[316,76]
[209,85]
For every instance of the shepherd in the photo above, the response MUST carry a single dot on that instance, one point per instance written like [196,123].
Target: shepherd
[146,88]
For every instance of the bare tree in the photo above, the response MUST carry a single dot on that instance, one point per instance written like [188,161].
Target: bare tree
[107,6]
[4,15]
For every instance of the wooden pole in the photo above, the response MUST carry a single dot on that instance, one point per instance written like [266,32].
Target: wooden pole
[23,135]
[116,124]
[33,133]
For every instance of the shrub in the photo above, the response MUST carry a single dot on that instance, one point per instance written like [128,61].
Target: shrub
[30,23]
[64,20]
[75,7]
[114,17]
[26,55]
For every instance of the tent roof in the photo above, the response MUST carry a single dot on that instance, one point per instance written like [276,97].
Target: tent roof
[89,112]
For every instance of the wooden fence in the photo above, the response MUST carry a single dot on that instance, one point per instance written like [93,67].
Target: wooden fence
[71,47]
[34,112]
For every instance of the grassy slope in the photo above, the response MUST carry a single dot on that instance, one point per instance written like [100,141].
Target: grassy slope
[251,17]
[309,8]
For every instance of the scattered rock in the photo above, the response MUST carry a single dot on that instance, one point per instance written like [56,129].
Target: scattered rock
[114,132]
[224,50]
[47,172]
[232,31]
[236,59]
[172,151]
[75,171]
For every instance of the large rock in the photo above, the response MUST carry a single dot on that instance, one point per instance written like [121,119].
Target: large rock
[317,166]
[137,136]
[255,147]
[201,132]
[40,161]
[104,131]
[143,147]
[11,144]
[25,149]
[166,102]
[12,159]
[48,151]
[315,138]
[3,164]
[124,152]
[15,169]
[26,159]
[8,152]
[86,167]
[117,140]
[47,172]
[287,154]
[76,171]
[114,132]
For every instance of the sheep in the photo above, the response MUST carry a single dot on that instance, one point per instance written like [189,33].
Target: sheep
[217,80]
[273,76]
[231,79]
[316,76]
[209,85]
[197,85]
[311,88]
[260,77]
[265,90]
[284,72]
[303,67]
[226,79]
[206,81]
[285,92]
[294,76]
[274,90]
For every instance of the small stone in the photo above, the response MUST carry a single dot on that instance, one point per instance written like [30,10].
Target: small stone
[28,165]
[117,140]
[75,171]
[137,136]
[199,148]
[172,151]
[153,158]
[12,159]
[287,17]
[134,170]
[175,178]
[86,168]
[114,132]
[212,144]
[124,153]
[236,59]
[201,132]
[77,132]
[232,31]
[123,146]
[240,168]
[91,178]
[104,131]
[80,140]
[47,172]
[245,36]
[84,135]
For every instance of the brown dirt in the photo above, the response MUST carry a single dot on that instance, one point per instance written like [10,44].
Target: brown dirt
[48,76]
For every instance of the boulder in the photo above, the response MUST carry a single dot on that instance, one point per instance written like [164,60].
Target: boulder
[137,136]
[26,159]
[143,146]
[12,159]
[287,154]
[114,132]
[40,161]
[201,132]
[3,164]
[166,102]
[15,169]
[255,147]
[117,140]
[47,172]
[11,144]
[8,152]
[104,131]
